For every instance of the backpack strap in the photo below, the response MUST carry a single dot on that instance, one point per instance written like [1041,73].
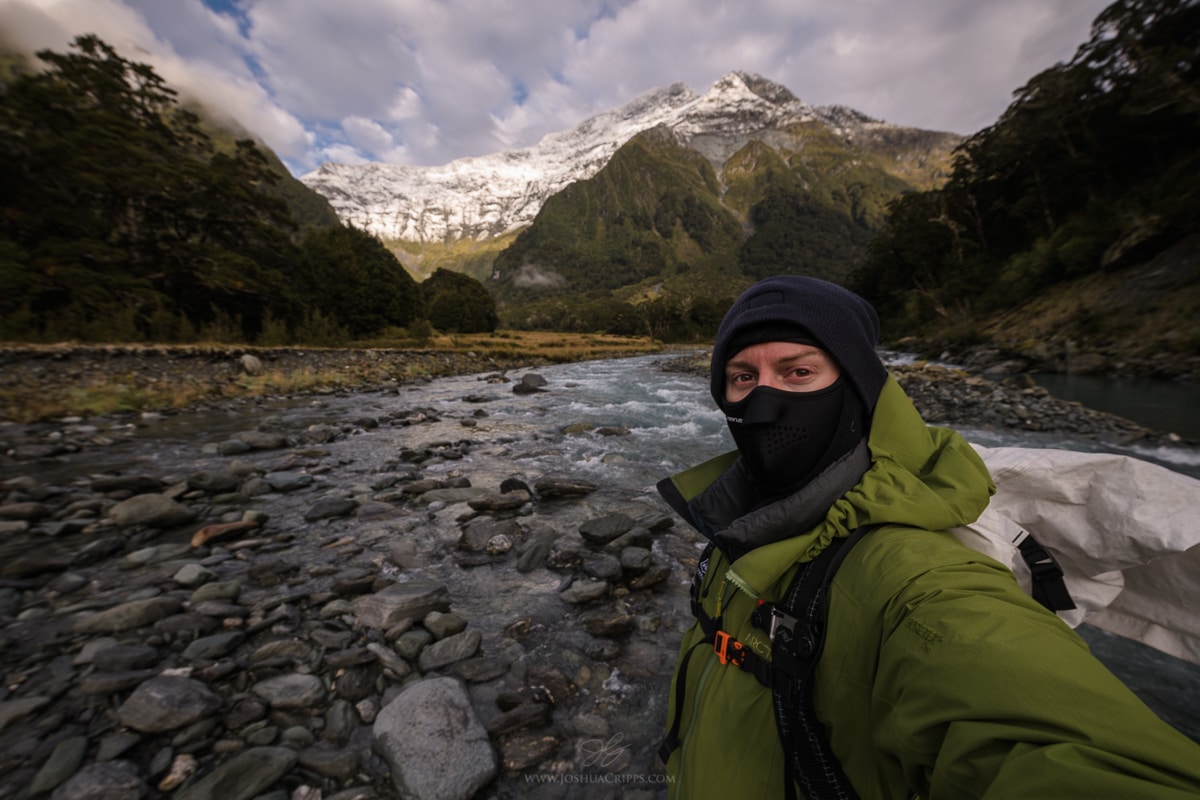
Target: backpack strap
[797,631]
[1049,588]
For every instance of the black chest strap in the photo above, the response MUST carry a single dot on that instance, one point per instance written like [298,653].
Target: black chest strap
[796,629]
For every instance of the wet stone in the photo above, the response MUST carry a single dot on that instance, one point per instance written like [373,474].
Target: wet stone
[411,643]
[442,624]
[25,511]
[608,624]
[125,657]
[151,510]
[213,647]
[563,487]
[434,743]
[526,750]
[635,559]
[287,481]
[166,703]
[330,508]
[655,575]
[242,777]
[137,484]
[526,715]
[63,762]
[329,762]
[480,669]
[193,575]
[602,567]
[479,531]
[217,590]
[410,600]
[449,650]
[495,501]
[584,591]
[105,780]
[296,691]
[128,616]
[602,530]
[532,552]
[213,481]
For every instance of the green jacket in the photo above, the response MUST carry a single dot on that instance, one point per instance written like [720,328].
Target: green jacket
[940,676]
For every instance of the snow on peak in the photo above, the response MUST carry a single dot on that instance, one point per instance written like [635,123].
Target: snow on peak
[485,196]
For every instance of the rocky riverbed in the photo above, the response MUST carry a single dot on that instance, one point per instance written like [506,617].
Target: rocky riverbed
[352,595]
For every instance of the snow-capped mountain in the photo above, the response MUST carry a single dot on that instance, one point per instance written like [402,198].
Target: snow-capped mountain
[485,196]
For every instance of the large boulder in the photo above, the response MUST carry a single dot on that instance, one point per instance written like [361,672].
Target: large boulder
[434,743]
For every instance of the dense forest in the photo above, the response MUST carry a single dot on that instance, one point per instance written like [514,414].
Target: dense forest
[124,216]
[1093,168]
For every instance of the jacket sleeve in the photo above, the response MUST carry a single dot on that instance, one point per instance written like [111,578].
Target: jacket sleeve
[978,692]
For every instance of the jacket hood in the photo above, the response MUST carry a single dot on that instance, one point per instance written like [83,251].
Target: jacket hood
[918,476]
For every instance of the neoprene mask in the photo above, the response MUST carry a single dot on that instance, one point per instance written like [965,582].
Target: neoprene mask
[787,437]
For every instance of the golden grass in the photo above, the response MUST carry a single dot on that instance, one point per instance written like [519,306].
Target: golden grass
[56,393]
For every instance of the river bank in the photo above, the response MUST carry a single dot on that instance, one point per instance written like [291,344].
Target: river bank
[311,595]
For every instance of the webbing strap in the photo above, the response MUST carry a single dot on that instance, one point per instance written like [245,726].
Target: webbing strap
[1049,588]
[808,757]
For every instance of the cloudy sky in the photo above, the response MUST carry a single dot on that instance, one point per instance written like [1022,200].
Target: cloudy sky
[423,82]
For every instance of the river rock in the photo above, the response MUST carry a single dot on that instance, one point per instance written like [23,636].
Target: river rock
[602,530]
[532,552]
[442,624]
[288,481]
[11,710]
[609,624]
[449,650]
[167,703]
[434,743]
[481,530]
[530,382]
[213,481]
[213,647]
[563,487]
[330,508]
[410,600]
[295,690]
[251,365]
[635,559]
[151,510]
[244,776]
[262,440]
[584,591]
[137,484]
[105,780]
[125,656]
[25,511]
[602,567]
[331,762]
[499,501]
[64,760]
[526,750]
[127,616]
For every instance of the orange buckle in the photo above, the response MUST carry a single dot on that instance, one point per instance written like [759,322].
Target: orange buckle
[728,649]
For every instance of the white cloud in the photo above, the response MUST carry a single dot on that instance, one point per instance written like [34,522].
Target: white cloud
[427,81]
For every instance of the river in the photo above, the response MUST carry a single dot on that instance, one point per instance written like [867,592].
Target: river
[641,423]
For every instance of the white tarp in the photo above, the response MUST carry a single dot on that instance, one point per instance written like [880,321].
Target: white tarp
[1126,533]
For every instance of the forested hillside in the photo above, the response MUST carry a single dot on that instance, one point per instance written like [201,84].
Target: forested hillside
[1093,170]
[124,216]
[661,240]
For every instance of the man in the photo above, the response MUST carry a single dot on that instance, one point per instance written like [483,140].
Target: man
[939,676]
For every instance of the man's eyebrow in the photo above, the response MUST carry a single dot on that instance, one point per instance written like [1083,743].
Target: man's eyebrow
[800,355]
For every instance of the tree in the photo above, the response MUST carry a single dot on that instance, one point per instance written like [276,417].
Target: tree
[358,281]
[459,303]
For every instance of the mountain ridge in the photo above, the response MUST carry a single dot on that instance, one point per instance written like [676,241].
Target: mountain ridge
[482,197]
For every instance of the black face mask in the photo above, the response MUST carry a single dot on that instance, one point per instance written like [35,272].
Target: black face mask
[787,438]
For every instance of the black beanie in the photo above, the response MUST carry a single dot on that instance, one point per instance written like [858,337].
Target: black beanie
[840,322]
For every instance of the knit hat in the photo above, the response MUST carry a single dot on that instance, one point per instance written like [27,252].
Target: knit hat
[838,321]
